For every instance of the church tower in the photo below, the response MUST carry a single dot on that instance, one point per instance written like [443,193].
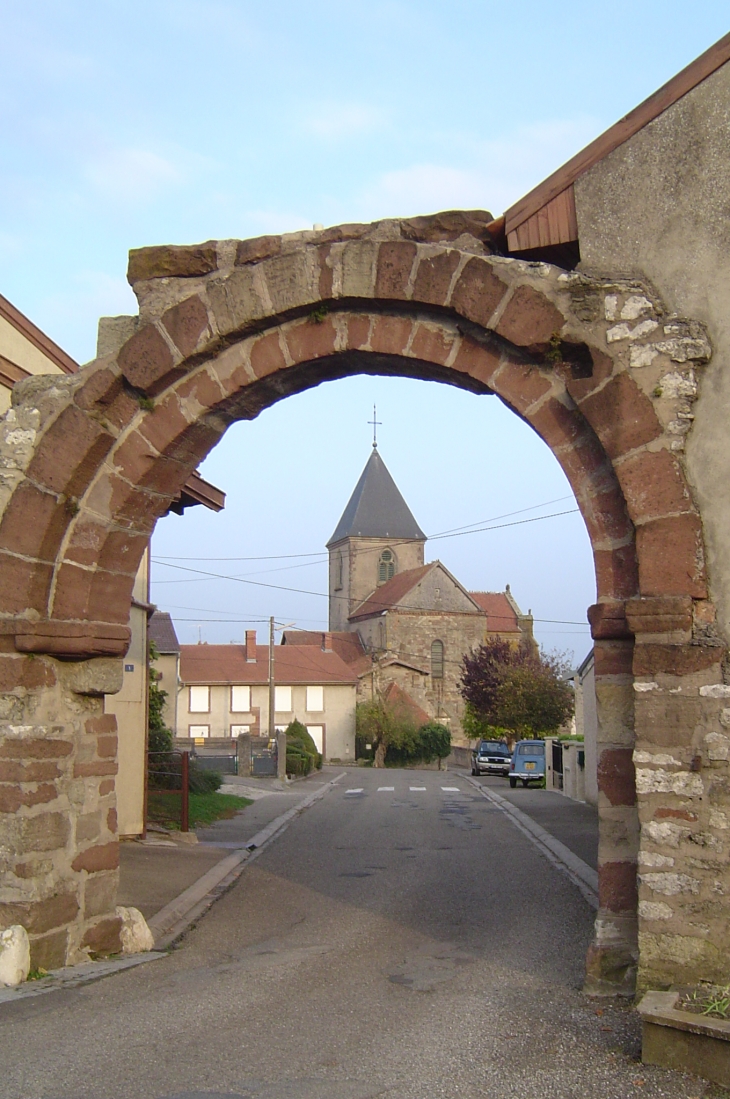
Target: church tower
[376,538]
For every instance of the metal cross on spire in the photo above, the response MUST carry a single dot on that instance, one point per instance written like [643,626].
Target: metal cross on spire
[376,424]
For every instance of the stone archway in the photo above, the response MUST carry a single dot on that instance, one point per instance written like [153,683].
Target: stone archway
[226,329]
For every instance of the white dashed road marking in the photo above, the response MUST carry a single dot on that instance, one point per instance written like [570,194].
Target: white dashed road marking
[417,787]
[451,789]
[386,789]
[357,791]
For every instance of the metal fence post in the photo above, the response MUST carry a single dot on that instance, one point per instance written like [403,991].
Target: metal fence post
[185,793]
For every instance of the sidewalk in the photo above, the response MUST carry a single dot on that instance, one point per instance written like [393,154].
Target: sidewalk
[154,872]
[574,823]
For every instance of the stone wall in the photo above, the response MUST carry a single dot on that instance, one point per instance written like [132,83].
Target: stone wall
[59,853]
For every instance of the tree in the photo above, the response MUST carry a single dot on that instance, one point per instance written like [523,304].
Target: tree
[520,688]
[159,735]
[434,742]
[384,727]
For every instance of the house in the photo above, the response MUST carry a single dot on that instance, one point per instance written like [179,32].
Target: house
[395,619]
[166,663]
[224,693]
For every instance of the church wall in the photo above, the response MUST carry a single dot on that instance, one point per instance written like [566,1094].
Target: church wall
[410,636]
[438,592]
[339,586]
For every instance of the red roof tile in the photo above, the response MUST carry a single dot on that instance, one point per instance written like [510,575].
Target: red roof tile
[388,595]
[500,613]
[293,664]
[399,699]
[348,646]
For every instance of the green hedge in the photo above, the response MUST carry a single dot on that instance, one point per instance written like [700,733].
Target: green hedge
[301,751]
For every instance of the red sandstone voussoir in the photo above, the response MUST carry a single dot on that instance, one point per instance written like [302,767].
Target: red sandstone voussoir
[617,572]
[603,367]
[311,340]
[608,621]
[617,886]
[24,585]
[185,323]
[616,776]
[671,557]
[70,452]
[557,424]
[193,444]
[653,485]
[122,551]
[431,344]
[266,355]
[146,361]
[606,517]
[34,523]
[202,387]
[164,422]
[521,385]
[395,263]
[530,319]
[390,335]
[621,415]
[478,292]
[433,277]
[358,331]
[103,392]
[478,362]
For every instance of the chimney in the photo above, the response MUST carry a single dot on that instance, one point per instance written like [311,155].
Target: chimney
[251,646]
[327,642]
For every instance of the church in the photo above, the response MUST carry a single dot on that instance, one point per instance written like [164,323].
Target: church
[403,625]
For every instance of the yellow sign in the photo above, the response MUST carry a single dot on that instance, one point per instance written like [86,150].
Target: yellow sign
[200,740]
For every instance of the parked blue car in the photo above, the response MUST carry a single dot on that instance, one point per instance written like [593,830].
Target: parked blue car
[528,762]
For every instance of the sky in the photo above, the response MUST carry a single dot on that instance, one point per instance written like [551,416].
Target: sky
[127,124]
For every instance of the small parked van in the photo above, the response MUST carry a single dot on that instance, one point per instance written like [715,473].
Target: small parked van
[528,762]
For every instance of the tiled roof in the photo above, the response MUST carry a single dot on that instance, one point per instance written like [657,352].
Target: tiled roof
[348,646]
[500,613]
[161,632]
[399,699]
[376,508]
[293,664]
[388,595]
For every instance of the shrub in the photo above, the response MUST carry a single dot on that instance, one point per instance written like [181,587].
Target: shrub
[434,741]
[299,741]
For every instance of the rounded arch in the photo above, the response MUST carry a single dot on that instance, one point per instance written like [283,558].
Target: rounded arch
[226,329]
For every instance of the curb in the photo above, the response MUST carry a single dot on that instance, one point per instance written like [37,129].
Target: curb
[171,921]
[562,858]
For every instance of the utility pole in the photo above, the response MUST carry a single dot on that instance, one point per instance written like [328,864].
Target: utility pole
[272,689]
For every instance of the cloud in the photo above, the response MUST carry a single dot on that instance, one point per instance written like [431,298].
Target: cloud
[331,121]
[132,175]
[487,175]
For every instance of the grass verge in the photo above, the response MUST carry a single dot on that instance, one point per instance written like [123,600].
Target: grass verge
[164,808]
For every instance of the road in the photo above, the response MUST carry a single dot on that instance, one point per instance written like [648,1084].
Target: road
[401,939]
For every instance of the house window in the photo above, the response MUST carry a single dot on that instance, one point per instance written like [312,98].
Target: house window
[437,660]
[199,700]
[199,731]
[240,700]
[338,572]
[317,734]
[282,700]
[386,566]
[315,700]
[240,730]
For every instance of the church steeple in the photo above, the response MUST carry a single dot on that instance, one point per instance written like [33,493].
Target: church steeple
[376,508]
[376,537]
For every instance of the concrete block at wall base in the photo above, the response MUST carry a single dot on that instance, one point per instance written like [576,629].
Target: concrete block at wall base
[135,934]
[683,1041]
[14,956]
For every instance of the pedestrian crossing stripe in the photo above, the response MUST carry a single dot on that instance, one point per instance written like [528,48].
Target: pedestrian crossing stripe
[418,787]
[356,791]
[386,789]
[451,789]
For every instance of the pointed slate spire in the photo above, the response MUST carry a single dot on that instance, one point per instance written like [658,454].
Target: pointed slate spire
[376,508]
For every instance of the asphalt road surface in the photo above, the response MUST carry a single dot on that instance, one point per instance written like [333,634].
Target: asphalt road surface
[401,939]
